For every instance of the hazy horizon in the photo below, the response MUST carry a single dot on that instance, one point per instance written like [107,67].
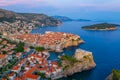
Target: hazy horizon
[89,9]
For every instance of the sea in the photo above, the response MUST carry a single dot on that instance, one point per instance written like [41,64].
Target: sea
[104,45]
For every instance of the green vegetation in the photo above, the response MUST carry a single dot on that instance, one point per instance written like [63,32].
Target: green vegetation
[8,66]
[39,49]
[20,47]
[11,20]
[5,77]
[41,18]
[59,63]
[65,67]
[31,47]
[42,75]
[116,74]
[100,26]
[70,59]
[87,57]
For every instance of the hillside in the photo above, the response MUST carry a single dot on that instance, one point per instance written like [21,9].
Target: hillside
[62,18]
[9,16]
[39,19]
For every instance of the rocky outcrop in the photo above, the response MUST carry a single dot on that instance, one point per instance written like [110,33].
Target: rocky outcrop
[115,75]
[72,42]
[109,77]
[84,61]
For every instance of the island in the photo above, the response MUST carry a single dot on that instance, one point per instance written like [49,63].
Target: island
[102,26]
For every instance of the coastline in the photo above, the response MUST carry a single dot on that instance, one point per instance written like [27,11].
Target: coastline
[46,40]
[102,29]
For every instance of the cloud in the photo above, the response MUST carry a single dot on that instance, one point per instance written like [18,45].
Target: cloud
[14,2]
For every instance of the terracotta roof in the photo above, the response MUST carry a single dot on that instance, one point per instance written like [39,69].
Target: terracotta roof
[2,56]
[15,67]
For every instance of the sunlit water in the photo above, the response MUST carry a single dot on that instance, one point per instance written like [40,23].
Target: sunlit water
[105,46]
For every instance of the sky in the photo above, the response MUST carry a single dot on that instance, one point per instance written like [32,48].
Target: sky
[100,10]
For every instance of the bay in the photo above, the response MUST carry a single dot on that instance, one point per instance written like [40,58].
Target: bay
[105,46]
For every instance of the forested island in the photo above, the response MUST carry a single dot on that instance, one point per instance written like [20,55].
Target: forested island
[102,26]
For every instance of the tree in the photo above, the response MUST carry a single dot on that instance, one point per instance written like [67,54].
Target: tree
[59,63]
[5,77]
[39,49]
[116,74]
[20,47]
[4,52]
[31,47]
[42,75]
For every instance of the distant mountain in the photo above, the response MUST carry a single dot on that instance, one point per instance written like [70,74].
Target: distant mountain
[64,19]
[40,19]
[82,20]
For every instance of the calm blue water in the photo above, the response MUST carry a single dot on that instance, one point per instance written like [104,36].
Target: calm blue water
[105,46]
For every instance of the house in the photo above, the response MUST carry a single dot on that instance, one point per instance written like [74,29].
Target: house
[11,76]
[27,49]
[16,69]
[3,60]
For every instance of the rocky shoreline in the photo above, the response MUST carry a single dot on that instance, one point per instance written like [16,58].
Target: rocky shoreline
[49,40]
[109,77]
[101,27]
[106,29]
[85,62]
[82,61]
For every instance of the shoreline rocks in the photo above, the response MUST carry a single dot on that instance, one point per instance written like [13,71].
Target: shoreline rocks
[109,77]
[84,62]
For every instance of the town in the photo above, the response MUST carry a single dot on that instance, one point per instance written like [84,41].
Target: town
[55,41]
[25,56]
[17,27]
[18,62]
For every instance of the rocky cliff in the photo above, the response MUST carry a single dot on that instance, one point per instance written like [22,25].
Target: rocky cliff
[72,42]
[75,41]
[81,61]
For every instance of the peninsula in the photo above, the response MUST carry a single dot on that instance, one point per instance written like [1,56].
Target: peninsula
[33,63]
[102,26]
[54,41]
[25,56]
